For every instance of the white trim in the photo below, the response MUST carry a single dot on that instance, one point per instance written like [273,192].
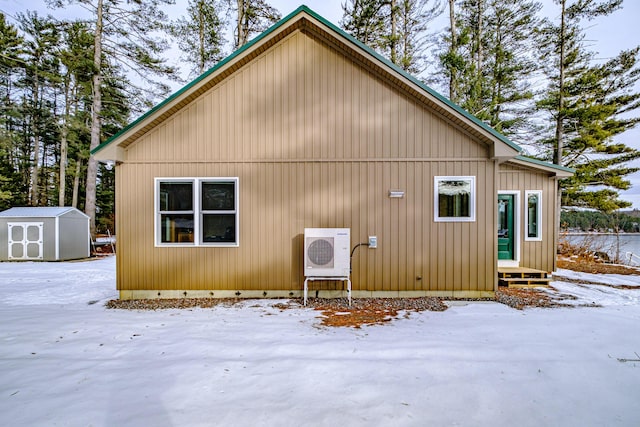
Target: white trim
[89,239]
[202,212]
[472,199]
[156,210]
[56,234]
[508,263]
[538,238]
[196,211]
[516,230]
[25,241]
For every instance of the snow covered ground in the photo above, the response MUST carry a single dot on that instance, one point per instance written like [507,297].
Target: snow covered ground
[66,360]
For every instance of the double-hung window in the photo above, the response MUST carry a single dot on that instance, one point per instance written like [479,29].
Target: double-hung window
[533,215]
[196,211]
[454,198]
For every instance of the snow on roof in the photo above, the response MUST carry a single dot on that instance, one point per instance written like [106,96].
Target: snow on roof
[38,212]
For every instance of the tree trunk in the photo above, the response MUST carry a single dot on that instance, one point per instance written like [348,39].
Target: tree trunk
[35,170]
[76,183]
[240,38]
[453,83]
[560,117]
[394,32]
[92,166]
[479,46]
[63,147]
[201,36]
[406,29]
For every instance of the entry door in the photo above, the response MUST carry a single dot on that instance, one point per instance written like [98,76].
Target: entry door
[25,240]
[506,230]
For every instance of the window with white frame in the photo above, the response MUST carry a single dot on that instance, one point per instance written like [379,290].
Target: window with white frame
[455,198]
[196,211]
[533,215]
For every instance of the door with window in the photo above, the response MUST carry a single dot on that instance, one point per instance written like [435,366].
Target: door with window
[506,231]
[25,240]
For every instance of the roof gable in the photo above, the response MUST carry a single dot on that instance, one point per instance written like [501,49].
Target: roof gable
[306,20]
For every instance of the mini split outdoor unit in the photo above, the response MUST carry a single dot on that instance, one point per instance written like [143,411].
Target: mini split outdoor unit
[326,252]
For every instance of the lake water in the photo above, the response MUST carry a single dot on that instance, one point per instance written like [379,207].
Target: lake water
[629,243]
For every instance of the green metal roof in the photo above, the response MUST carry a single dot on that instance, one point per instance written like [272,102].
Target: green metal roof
[337,32]
[546,164]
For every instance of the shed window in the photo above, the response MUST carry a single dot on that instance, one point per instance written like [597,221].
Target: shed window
[533,215]
[455,198]
[197,211]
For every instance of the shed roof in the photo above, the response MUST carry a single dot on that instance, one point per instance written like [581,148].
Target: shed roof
[39,212]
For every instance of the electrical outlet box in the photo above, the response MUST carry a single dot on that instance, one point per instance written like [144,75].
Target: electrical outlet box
[373,242]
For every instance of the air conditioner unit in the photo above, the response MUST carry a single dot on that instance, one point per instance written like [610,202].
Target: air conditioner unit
[326,252]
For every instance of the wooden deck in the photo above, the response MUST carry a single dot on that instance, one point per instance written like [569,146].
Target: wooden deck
[522,277]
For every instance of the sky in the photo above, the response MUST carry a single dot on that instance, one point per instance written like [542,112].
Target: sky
[67,360]
[606,35]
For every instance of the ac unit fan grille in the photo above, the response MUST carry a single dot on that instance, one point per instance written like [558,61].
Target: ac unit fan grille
[320,252]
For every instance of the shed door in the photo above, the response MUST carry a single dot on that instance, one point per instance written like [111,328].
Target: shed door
[25,240]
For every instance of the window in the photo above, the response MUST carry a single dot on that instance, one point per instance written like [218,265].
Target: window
[455,198]
[533,215]
[197,211]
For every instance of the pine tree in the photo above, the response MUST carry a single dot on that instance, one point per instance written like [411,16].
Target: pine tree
[125,34]
[252,18]
[366,21]
[76,58]
[397,29]
[200,35]
[472,23]
[589,105]
[414,35]
[10,49]
[114,119]
[40,76]
[487,60]
[451,60]
[511,30]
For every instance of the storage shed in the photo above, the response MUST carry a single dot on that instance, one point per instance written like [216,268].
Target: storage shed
[43,234]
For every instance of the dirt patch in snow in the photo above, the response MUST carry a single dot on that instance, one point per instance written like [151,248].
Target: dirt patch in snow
[596,267]
[169,303]
[521,298]
[591,282]
[370,311]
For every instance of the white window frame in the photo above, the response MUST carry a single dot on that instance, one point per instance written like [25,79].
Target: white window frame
[472,199]
[197,211]
[537,238]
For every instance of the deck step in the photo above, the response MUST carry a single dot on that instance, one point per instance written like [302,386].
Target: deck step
[521,282]
[522,277]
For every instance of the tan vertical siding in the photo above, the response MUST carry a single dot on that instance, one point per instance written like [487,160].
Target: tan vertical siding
[534,254]
[313,146]
[344,195]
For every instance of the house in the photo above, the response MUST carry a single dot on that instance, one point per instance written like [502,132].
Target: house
[43,234]
[307,127]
